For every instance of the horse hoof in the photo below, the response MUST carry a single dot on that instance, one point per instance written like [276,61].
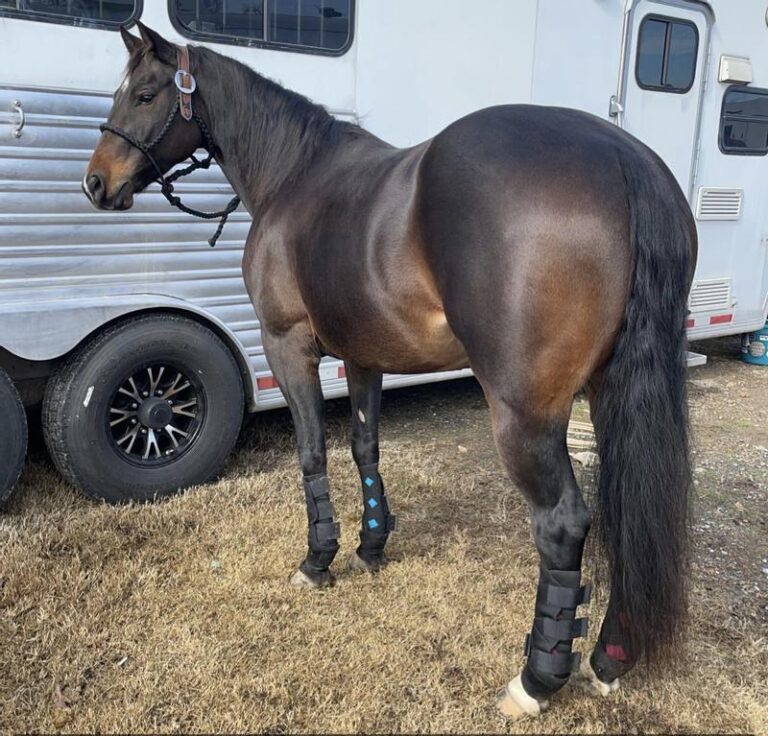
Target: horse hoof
[514,703]
[593,683]
[358,564]
[315,581]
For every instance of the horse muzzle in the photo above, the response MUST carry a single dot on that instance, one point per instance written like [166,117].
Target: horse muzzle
[96,189]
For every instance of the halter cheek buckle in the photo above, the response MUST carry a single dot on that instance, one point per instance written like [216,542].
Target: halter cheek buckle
[178,80]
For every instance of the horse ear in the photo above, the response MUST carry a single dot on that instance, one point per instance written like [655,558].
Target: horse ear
[131,42]
[162,49]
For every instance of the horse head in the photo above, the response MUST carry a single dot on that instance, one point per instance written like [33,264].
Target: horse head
[144,135]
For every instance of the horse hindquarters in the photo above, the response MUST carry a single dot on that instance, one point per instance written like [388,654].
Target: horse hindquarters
[536,267]
[539,315]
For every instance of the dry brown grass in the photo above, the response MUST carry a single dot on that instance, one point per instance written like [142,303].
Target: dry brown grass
[178,616]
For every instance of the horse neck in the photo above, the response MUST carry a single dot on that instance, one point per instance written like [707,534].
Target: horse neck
[266,135]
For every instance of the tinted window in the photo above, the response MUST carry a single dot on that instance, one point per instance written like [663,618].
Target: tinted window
[744,121]
[683,46]
[322,25]
[650,52]
[666,54]
[97,13]
[242,18]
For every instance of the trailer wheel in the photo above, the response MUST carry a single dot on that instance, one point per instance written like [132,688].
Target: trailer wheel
[13,436]
[145,409]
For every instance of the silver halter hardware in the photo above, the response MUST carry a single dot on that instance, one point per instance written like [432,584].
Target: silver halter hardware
[178,80]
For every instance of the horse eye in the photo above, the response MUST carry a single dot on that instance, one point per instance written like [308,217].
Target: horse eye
[146,97]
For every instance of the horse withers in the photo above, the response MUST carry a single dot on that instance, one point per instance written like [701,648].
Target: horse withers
[513,224]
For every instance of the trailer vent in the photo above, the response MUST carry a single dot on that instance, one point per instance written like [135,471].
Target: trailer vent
[717,203]
[710,295]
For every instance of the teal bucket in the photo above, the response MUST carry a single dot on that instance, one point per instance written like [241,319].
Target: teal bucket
[754,348]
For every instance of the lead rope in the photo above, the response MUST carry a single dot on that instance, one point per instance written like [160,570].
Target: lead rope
[166,182]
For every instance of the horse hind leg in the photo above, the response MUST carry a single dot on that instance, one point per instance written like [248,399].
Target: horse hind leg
[534,451]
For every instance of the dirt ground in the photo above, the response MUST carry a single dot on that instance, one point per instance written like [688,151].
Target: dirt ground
[179,617]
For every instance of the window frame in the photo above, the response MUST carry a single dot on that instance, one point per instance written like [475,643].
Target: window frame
[262,43]
[723,116]
[74,21]
[669,20]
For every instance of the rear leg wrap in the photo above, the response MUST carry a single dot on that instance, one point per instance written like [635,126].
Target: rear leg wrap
[323,530]
[611,658]
[549,645]
[378,523]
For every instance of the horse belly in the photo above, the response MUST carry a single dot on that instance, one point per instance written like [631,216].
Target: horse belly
[402,341]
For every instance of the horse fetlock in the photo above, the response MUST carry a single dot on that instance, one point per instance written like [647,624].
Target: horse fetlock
[610,661]
[514,703]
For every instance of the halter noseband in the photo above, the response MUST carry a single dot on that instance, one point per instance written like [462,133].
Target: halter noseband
[186,85]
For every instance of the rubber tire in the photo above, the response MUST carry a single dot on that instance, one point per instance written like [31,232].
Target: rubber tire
[13,436]
[78,395]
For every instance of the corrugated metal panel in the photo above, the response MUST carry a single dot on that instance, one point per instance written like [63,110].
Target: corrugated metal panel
[55,247]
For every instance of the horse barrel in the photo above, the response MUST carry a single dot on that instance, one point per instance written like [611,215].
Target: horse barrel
[754,348]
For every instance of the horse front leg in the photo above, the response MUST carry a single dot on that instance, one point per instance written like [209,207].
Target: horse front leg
[294,359]
[377,522]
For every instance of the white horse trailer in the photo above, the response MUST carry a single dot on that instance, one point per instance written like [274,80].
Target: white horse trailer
[689,78]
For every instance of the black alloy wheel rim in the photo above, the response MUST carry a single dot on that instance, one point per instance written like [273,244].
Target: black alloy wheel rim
[155,415]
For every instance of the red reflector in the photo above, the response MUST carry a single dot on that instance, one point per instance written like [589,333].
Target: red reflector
[721,319]
[342,372]
[690,323]
[266,382]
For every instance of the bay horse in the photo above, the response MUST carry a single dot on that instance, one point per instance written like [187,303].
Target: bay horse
[546,249]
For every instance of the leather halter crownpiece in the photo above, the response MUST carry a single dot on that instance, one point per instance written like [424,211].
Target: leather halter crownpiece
[185,82]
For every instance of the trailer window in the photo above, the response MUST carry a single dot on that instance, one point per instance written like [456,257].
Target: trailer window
[109,14]
[744,122]
[666,54]
[319,26]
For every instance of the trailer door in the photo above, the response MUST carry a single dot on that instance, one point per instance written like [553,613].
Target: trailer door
[665,68]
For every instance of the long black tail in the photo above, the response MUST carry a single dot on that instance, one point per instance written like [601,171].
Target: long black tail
[641,418]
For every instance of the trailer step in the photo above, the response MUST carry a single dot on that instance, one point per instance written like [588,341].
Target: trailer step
[695,359]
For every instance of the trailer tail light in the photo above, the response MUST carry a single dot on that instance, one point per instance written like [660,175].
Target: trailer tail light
[327,373]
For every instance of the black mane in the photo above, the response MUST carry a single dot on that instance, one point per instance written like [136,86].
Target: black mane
[284,131]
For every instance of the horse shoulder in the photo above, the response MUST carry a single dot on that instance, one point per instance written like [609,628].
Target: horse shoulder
[269,277]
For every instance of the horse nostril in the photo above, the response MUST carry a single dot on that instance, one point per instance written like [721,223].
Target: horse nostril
[95,186]
[96,190]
